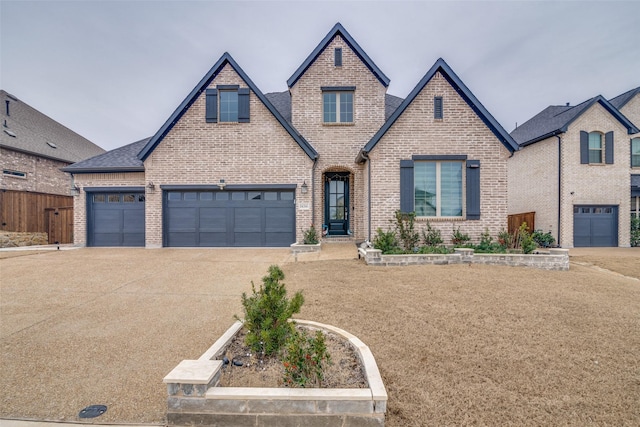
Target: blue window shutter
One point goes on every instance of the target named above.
(338, 57)
(243, 105)
(473, 189)
(406, 186)
(584, 147)
(608, 148)
(212, 105)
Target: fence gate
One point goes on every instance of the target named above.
(59, 225)
(516, 220)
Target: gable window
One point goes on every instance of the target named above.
(14, 174)
(227, 104)
(337, 104)
(595, 147)
(635, 153)
(437, 107)
(337, 56)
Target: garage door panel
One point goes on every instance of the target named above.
(248, 239)
(133, 221)
(107, 239)
(279, 220)
(133, 239)
(213, 220)
(247, 220)
(107, 221)
(182, 220)
(213, 239)
(595, 226)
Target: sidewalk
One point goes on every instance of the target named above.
(22, 423)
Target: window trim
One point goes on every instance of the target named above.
(213, 104)
(338, 91)
(439, 192)
(600, 150)
(637, 141)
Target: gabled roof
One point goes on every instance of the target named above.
(123, 159)
(621, 100)
(28, 130)
(442, 67)
(338, 29)
(555, 120)
(200, 87)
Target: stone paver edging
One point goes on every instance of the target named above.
(555, 259)
(195, 398)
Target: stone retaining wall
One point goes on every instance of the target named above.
(12, 239)
(555, 259)
(195, 399)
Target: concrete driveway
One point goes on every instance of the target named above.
(68, 318)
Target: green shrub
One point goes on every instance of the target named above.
(386, 241)
(527, 243)
(305, 359)
(635, 231)
(505, 239)
(543, 240)
(408, 237)
(435, 250)
(487, 245)
(267, 313)
(459, 239)
(431, 236)
(310, 236)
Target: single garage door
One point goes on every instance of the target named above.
(595, 226)
(115, 219)
(229, 218)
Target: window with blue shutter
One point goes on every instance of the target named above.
(406, 186)
(228, 103)
(243, 105)
(584, 147)
(473, 189)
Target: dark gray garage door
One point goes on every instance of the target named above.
(229, 218)
(115, 219)
(595, 226)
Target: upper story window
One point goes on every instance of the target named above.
(595, 147)
(337, 57)
(438, 188)
(437, 108)
(14, 174)
(635, 153)
(337, 104)
(227, 103)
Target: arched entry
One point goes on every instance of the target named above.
(336, 203)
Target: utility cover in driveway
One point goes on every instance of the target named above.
(595, 226)
(229, 218)
(115, 219)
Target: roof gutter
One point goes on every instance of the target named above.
(104, 170)
(543, 137)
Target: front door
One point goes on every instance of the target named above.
(336, 203)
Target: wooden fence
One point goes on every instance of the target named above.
(37, 212)
(515, 220)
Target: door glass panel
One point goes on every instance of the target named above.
(129, 198)
(271, 195)
(98, 198)
(237, 195)
(141, 198)
(174, 195)
(254, 195)
(222, 196)
(206, 195)
(286, 195)
(191, 196)
(114, 198)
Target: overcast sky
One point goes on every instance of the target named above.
(114, 71)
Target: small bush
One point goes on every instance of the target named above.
(505, 239)
(543, 240)
(635, 231)
(405, 226)
(305, 359)
(435, 250)
(487, 245)
(431, 236)
(310, 236)
(267, 313)
(386, 241)
(459, 239)
(527, 243)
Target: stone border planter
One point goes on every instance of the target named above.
(298, 248)
(195, 398)
(555, 259)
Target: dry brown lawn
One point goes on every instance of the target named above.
(456, 345)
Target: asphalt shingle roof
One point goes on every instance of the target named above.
(28, 130)
(620, 100)
(120, 159)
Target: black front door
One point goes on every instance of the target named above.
(336, 203)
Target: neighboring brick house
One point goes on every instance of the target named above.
(34, 147)
(574, 170)
(235, 167)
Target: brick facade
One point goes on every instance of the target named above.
(532, 187)
(460, 132)
(42, 175)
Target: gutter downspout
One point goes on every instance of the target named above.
(365, 157)
(559, 185)
(313, 191)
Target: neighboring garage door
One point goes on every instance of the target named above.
(115, 219)
(229, 218)
(595, 226)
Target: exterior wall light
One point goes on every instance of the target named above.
(151, 187)
(304, 188)
(75, 190)
(221, 184)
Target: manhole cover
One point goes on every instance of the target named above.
(92, 411)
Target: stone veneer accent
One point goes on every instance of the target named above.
(556, 259)
(43, 175)
(12, 239)
(195, 399)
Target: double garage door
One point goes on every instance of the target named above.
(595, 226)
(253, 218)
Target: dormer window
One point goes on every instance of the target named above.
(337, 54)
(337, 104)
